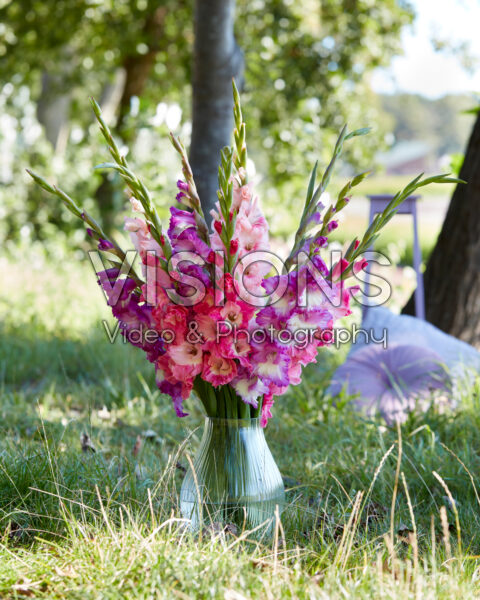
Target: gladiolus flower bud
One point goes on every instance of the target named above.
(332, 225)
(360, 265)
(233, 247)
(339, 268)
(321, 241)
(218, 227)
(228, 281)
(104, 244)
(136, 205)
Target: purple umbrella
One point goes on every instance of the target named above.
(392, 381)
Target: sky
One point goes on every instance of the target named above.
(423, 71)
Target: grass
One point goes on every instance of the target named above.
(369, 510)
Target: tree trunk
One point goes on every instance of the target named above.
(138, 66)
(217, 58)
(111, 96)
(452, 275)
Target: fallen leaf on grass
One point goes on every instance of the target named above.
(233, 595)
(218, 528)
(317, 577)
(138, 445)
(86, 443)
(405, 534)
(66, 571)
(149, 434)
(13, 530)
(27, 587)
(104, 414)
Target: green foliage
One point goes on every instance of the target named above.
(306, 67)
(317, 56)
(93, 39)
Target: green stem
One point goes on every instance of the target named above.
(206, 395)
(221, 408)
(257, 411)
(243, 410)
(231, 405)
(212, 400)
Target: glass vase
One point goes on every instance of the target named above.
(235, 480)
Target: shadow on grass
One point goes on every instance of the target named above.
(31, 362)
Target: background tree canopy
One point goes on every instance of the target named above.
(306, 73)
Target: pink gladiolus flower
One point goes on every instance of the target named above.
(242, 194)
(233, 313)
(187, 354)
(266, 409)
(218, 370)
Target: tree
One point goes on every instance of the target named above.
(217, 58)
(452, 274)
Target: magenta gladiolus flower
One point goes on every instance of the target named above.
(135, 318)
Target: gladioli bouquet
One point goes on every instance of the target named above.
(217, 312)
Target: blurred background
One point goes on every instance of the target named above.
(409, 70)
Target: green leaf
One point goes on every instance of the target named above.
(360, 177)
(311, 184)
(357, 132)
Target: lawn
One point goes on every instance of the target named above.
(372, 512)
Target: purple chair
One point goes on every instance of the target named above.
(409, 207)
